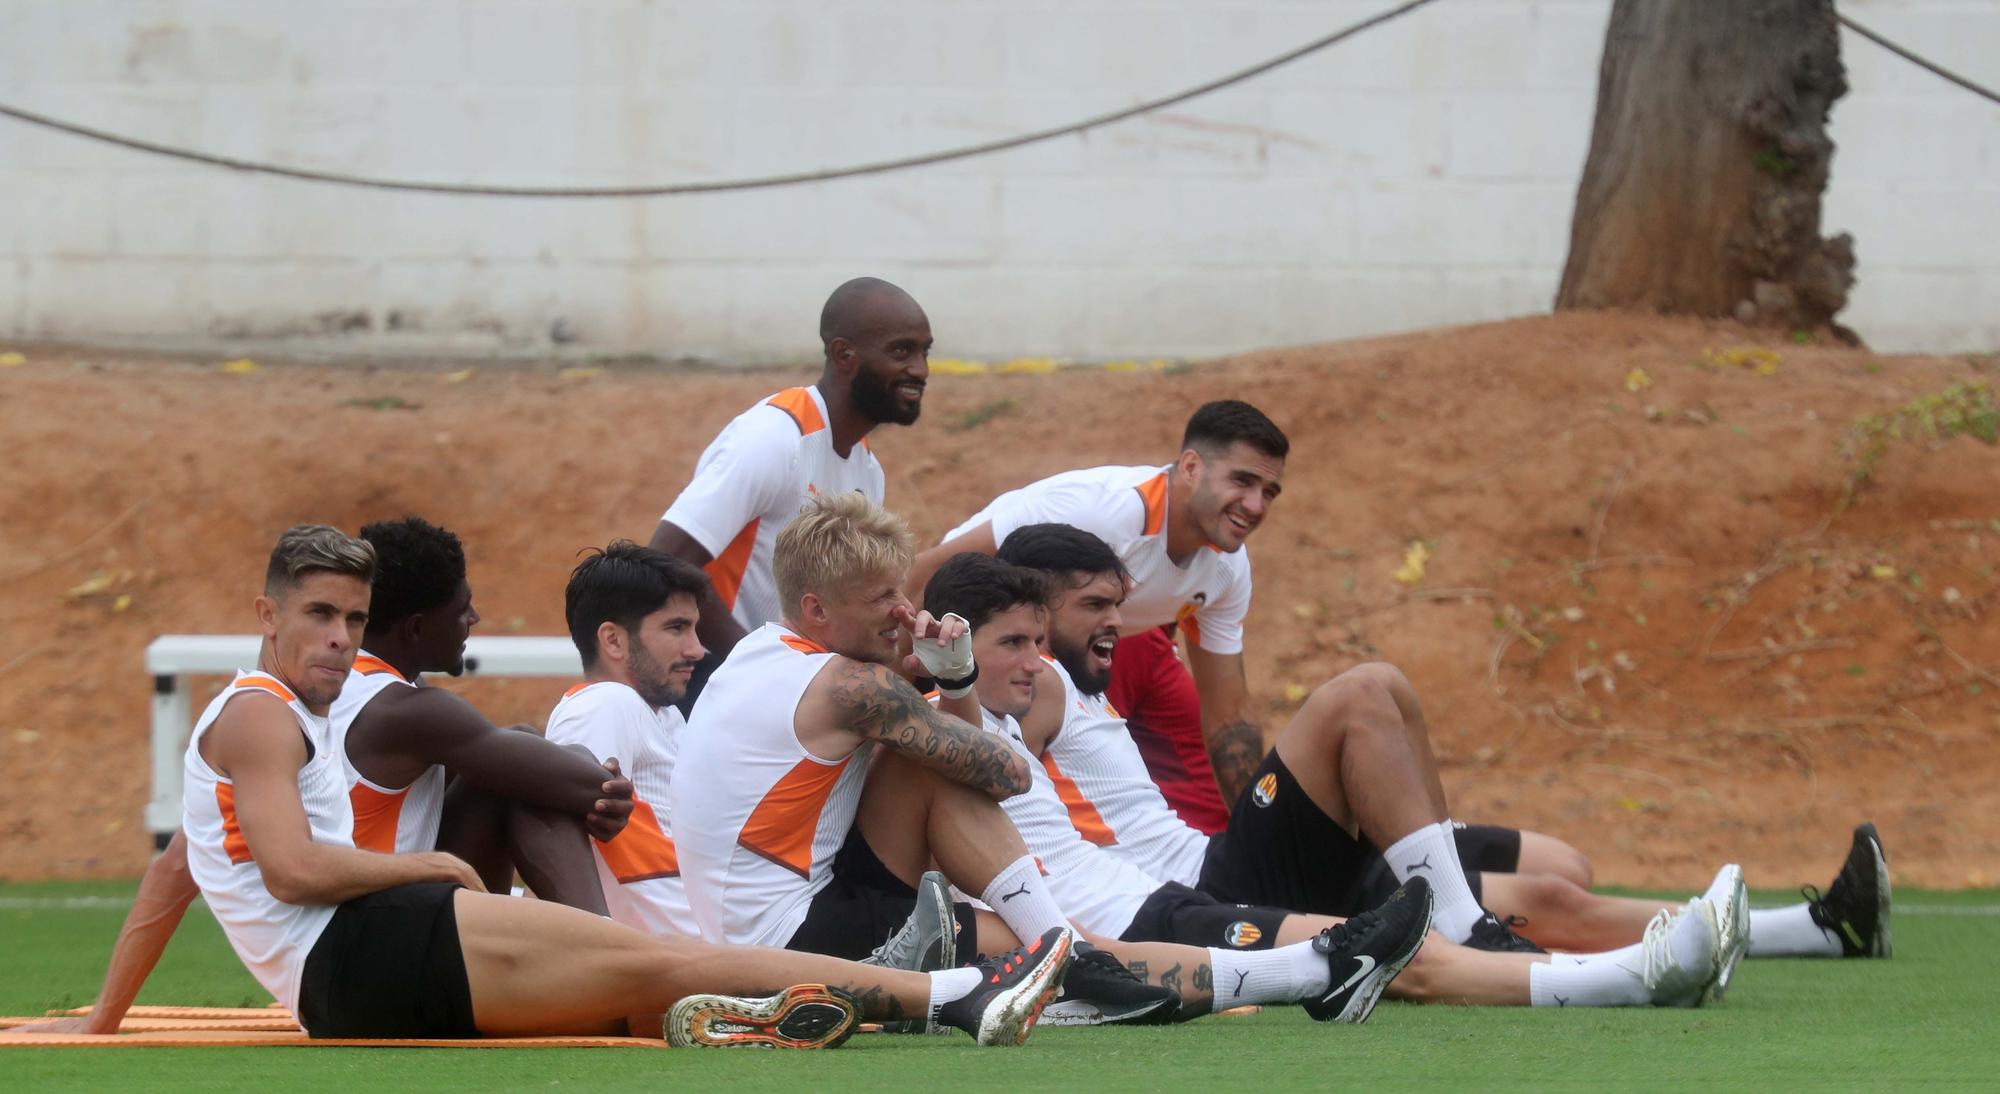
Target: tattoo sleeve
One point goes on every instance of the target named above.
(1204, 978)
(1171, 978)
(878, 705)
(874, 1003)
(1234, 751)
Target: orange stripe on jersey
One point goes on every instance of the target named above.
(369, 666)
(798, 402)
(1084, 816)
(782, 826)
(1153, 492)
(233, 843)
(574, 688)
(643, 851)
(265, 683)
(1192, 626)
(377, 813)
(803, 645)
(726, 570)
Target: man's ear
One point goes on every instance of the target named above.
(812, 609)
(1189, 465)
(267, 615)
(612, 642)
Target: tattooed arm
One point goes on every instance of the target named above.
(875, 704)
(1235, 741)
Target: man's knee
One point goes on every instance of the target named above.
(1359, 696)
(1427, 977)
(1542, 854)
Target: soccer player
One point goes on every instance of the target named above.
(363, 944)
(512, 799)
(1179, 530)
(825, 785)
(804, 441)
(1246, 958)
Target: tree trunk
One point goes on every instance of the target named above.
(1707, 160)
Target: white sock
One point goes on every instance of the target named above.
(1020, 896)
(1790, 932)
(1286, 974)
(951, 985)
(1588, 982)
(1432, 852)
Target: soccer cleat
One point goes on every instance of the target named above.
(1013, 989)
(1492, 933)
(1731, 901)
(1367, 951)
(926, 942)
(804, 1016)
(1678, 955)
(1856, 906)
(1099, 990)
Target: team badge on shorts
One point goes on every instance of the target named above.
(1242, 934)
(1266, 790)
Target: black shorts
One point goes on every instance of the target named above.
(1281, 850)
(861, 906)
(389, 965)
(1176, 913)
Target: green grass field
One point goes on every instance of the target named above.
(1930, 1016)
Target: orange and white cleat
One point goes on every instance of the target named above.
(803, 1016)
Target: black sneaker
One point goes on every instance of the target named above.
(1496, 934)
(1856, 905)
(1015, 986)
(1366, 952)
(1099, 990)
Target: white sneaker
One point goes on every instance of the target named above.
(1677, 957)
(1731, 901)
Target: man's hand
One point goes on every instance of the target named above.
(451, 868)
(57, 1025)
(608, 817)
(942, 650)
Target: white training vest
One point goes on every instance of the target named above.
(1097, 891)
(640, 870)
(1112, 799)
(272, 938)
(758, 818)
(749, 484)
(393, 821)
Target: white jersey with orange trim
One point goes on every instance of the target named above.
(1097, 891)
(749, 484)
(1099, 774)
(271, 937)
(1126, 507)
(640, 870)
(393, 821)
(760, 818)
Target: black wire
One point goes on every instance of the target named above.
(1916, 60)
(664, 190)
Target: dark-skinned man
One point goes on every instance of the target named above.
(803, 441)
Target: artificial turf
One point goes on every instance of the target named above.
(1929, 1016)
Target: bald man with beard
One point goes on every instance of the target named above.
(764, 465)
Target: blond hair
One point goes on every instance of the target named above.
(304, 548)
(835, 542)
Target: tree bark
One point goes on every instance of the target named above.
(1707, 161)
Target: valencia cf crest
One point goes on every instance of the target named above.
(1242, 934)
(1266, 790)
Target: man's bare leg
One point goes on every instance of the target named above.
(498, 836)
(912, 817)
(1562, 916)
(1545, 854)
(537, 968)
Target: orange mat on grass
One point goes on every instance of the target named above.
(255, 1027)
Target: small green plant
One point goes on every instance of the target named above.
(1959, 410)
(973, 419)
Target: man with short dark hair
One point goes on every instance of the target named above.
(1179, 530)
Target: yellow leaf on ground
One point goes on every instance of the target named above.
(581, 372)
(459, 377)
(1637, 380)
(242, 366)
(13, 360)
(1886, 573)
(1030, 364)
(952, 366)
(1412, 570)
(1296, 693)
(123, 602)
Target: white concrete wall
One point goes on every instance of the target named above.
(1421, 174)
